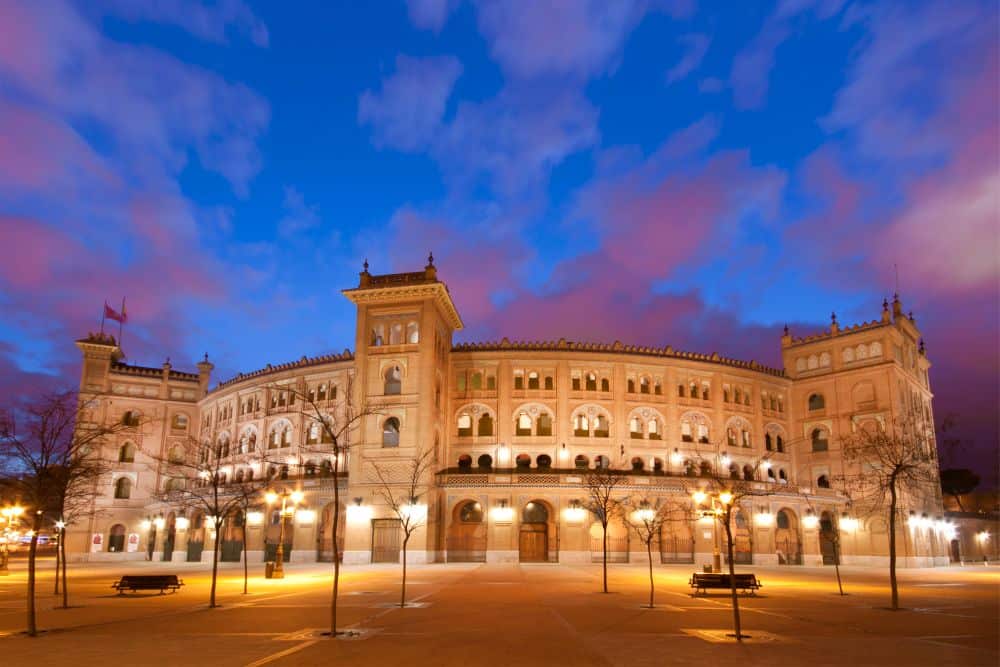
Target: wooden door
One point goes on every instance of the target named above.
(534, 543)
(386, 539)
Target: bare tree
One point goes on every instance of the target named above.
(54, 466)
(405, 503)
(195, 479)
(331, 425)
(647, 518)
(887, 466)
(600, 484)
(833, 535)
(720, 495)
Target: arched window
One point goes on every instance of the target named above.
(658, 388)
(687, 435)
(471, 512)
(310, 468)
(485, 426)
(780, 443)
(601, 427)
(704, 392)
(734, 471)
(412, 333)
(393, 381)
(823, 482)
(703, 433)
(176, 454)
(680, 390)
(396, 334)
(654, 429)
(283, 473)
(731, 436)
(767, 442)
(390, 432)
(644, 385)
(748, 472)
(816, 402)
(464, 425)
(820, 440)
(605, 384)
(378, 335)
(783, 521)
(179, 422)
(116, 538)
(249, 475)
(127, 453)
(544, 424)
(637, 463)
(635, 428)
(658, 465)
(602, 462)
(782, 476)
(522, 461)
(549, 383)
(630, 386)
(581, 426)
(745, 438)
(535, 512)
(123, 488)
(523, 425)
(591, 382)
(464, 461)
(705, 469)
(325, 468)
(739, 395)
(543, 461)
(485, 461)
(476, 381)
(532, 380)
(239, 476)
(581, 461)
(130, 418)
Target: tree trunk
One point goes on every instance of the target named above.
(246, 564)
(737, 626)
(32, 553)
(65, 584)
(55, 586)
(336, 550)
(836, 558)
(892, 543)
(215, 563)
(958, 499)
(649, 555)
(605, 562)
(402, 594)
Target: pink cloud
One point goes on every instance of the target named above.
(430, 14)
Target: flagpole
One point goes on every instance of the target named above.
(120, 323)
(104, 313)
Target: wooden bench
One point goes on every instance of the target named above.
(702, 581)
(147, 582)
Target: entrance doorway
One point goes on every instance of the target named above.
(786, 538)
(467, 534)
(324, 549)
(386, 540)
(533, 538)
(828, 540)
(231, 548)
(168, 540)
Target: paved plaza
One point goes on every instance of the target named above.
(507, 615)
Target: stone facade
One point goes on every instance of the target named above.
(514, 428)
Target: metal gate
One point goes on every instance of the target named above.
(168, 546)
(675, 549)
(617, 550)
(230, 551)
(789, 552)
(386, 538)
(194, 551)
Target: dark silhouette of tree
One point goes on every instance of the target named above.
(646, 518)
(957, 482)
(54, 463)
(600, 485)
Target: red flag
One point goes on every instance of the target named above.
(113, 314)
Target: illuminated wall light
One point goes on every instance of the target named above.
(502, 513)
(182, 523)
(255, 518)
(848, 523)
(765, 518)
(145, 524)
(676, 458)
(575, 513)
(983, 536)
(725, 460)
(810, 521)
(305, 517)
(414, 511)
(159, 522)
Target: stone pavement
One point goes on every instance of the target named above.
(543, 614)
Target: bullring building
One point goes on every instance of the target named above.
(513, 428)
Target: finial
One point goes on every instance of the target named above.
(922, 349)
(885, 304)
(167, 361)
(911, 317)
(366, 265)
(833, 317)
(895, 297)
(786, 329)
(430, 258)
(206, 358)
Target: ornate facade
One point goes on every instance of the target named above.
(514, 428)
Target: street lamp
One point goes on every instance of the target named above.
(719, 502)
(9, 514)
(272, 497)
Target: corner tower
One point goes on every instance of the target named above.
(405, 323)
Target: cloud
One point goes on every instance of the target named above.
(580, 38)
(208, 22)
(407, 112)
(299, 217)
(430, 14)
(695, 48)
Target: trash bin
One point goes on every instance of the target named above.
(269, 569)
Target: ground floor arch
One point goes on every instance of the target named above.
(787, 538)
(169, 537)
(466, 539)
(196, 537)
(537, 533)
(233, 537)
(742, 538)
(676, 542)
(829, 545)
(618, 546)
(116, 538)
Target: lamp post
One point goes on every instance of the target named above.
(718, 501)
(9, 514)
(279, 554)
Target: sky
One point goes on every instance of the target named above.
(656, 172)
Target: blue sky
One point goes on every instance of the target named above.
(658, 172)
